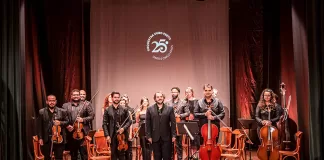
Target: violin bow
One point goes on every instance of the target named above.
(78, 115)
(128, 117)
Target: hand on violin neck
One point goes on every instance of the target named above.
(121, 130)
(174, 139)
(57, 123)
(70, 128)
(79, 119)
(177, 115)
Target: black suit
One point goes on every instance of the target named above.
(85, 111)
(45, 131)
(111, 118)
(161, 127)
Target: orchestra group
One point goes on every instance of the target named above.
(153, 127)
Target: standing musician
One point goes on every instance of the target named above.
(116, 121)
(160, 127)
(191, 102)
(267, 99)
(181, 112)
(52, 121)
(80, 114)
(206, 103)
(140, 119)
(131, 111)
(107, 102)
(83, 96)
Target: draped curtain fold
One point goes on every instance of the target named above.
(56, 59)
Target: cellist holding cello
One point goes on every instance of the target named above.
(267, 114)
(209, 123)
(51, 123)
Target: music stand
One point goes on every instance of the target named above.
(193, 129)
(248, 124)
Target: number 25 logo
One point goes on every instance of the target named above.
(160, 46)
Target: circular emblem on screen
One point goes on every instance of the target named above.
(159, 44)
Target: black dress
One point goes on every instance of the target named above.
(145, 144)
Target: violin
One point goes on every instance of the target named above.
(209, 150)
(122, 145)
(78, 134)
(56, 134)
(269, 135)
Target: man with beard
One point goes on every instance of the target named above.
(83, 96)
(116, 121)
(131, 111)
(160, 127)
(201, 110)
(48, 117)
(181, 111)
(81, 112)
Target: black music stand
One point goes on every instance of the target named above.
(193, 129)
(248, 124)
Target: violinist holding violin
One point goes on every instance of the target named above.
(79, 114)
(116, 121)
(52, 121)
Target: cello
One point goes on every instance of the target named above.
(209, 150)
(270, 145)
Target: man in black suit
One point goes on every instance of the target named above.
(202, 112)
(81, 112)
(116, 120)
(48, 117)
(160, 127)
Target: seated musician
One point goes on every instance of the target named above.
(78, 113)
(140, 119)
(267, 100)
(203, 105)
(116, 121)
(181, 112)
(48, 117)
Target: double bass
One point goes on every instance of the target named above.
(283, 122)
(270, 145)
(209, 150)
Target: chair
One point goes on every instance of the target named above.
(226, 137)
(294, 153)
(236, 153)
(37, 151)
(99, 150)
